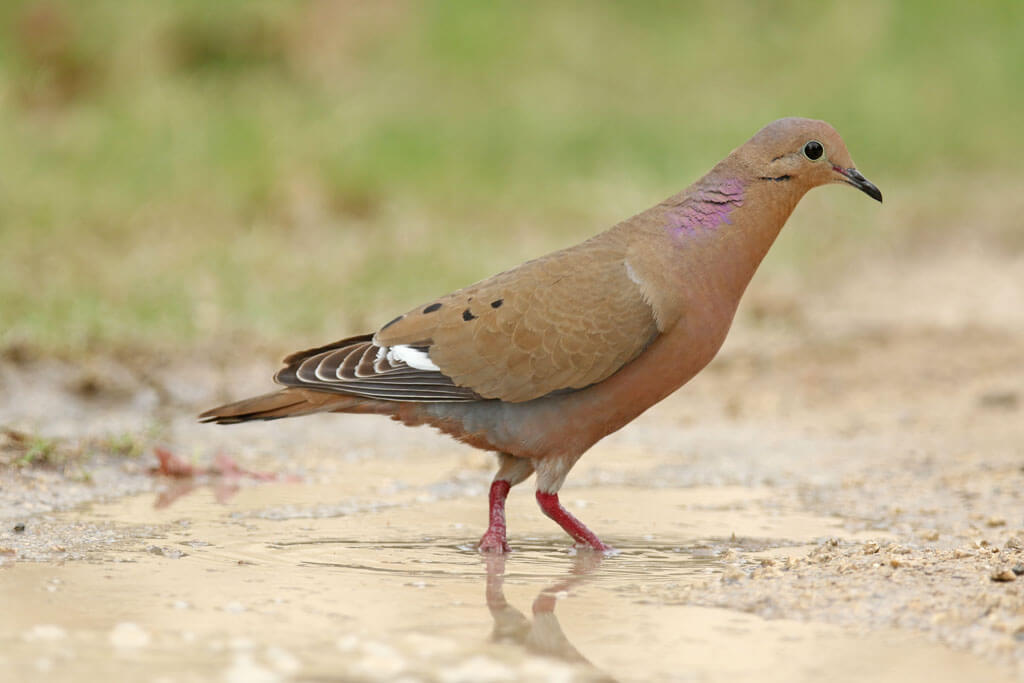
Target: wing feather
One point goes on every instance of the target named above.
(561, 322)
(358, 367)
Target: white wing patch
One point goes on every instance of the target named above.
(631, 274)
(414, 358)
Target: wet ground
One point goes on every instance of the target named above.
(839, 497)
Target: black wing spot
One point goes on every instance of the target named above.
(777, 179)
(431, 308)
(392, 322)
(497, 303)
(467, 316)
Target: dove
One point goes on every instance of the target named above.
(540, 362)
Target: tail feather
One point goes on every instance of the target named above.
(286, 403)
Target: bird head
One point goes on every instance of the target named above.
(803, 153)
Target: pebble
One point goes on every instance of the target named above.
(545, 669)
(730, 555)
(45, 632)
(425, 646)
(477, 670)
(733, 574)
(347, 643)
(128, 635)
(245, 670)
(995, 521)
(379, 661)
(282, 661)
(1004, 574)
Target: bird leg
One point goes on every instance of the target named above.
(512, 470)
(493, 540)
(552, 508)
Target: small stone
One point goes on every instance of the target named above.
(347, 643)
(1018, 569)
(18, 528)
(995, 521)
(244, 670)
(871, 547)
(477, 669)
(928, 535)
(45, 632)
(241, 644)
(1015, 543)
(128, 635)
(282, 661)
(960, 553)
(999, 398)
(733, 575)
(1003, 574)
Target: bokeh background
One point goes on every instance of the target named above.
(177, 174)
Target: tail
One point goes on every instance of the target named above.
(289, 402)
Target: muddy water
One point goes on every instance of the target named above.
(307, 581)
(889, 417)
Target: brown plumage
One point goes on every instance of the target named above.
(540, 362)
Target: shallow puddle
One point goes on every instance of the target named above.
(322, 581)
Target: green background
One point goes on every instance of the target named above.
(178, 174)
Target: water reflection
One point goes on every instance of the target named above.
(541, 635)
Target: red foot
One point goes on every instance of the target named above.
(552, 508)
(171, 465)
(493, 540)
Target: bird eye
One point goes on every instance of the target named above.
(813, 150)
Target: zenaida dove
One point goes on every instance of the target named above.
(542, 361)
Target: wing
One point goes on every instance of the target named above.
(561, 322)
(358, 367)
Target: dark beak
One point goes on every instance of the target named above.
(854, 177)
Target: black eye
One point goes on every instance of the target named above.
(813, 150)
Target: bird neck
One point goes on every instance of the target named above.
(722, 227)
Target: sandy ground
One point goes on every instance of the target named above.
(840, 496)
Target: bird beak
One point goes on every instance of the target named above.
(854, 177)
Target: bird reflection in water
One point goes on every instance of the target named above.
(541, 635)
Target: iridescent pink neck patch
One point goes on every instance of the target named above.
(707, 209)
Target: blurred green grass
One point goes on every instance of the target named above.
(177, 171)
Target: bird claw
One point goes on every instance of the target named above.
(492, 544)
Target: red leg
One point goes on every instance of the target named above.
(552, 508)
(493, 540)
